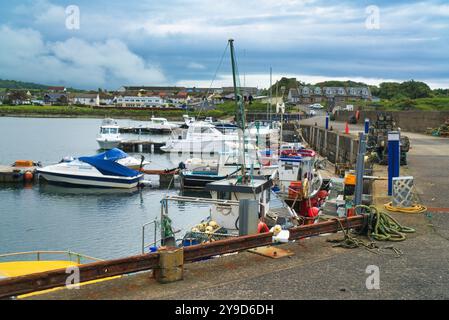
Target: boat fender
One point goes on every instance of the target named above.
(213, 224)
(28, 176)
(262, 227)
(224, 210)
(276, 229)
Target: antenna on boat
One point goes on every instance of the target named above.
(240, 111)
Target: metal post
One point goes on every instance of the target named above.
(394, 157)
(337, 148)
(325, 148)
(360, 170)
(155, 233)
(143, 240)
(366, 126)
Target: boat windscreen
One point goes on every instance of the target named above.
(113, 155)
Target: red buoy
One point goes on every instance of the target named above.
(28, 176)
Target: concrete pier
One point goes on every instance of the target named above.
(11, 174)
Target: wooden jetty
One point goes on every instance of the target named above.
(141, 146)
(166, 177)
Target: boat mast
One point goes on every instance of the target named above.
(240, 112)
(271, 93)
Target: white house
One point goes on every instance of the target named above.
(87, 99)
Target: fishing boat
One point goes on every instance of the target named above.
(102, 170)
(109, 136)
(206, 171)
(238, 202)
(161, 125)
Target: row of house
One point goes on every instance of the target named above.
(315, 94)
(126, 96)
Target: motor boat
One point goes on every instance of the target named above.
(197, 172)
(201, 137)
(127, 160)
(161, 125)
(102, 170)
(109, 136)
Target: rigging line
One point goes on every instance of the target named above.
(215, 76)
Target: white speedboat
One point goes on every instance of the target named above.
(102, 170)
(161, 125)
(109, 136)
(126, 160)
(201, 137)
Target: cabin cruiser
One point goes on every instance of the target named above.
(109, 136)
(102, 170)
(201, 137)
(161, 125)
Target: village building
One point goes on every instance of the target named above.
(87, 99)
(139, 101)
(58, 99)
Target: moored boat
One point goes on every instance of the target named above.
(109, 136)
(102, 170)
(161, 125)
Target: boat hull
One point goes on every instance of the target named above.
(89, 181)
(198, 181)
(108, 144)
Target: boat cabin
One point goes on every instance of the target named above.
(232, 189)
(109, 130)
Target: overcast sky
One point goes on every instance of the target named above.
(180, 42)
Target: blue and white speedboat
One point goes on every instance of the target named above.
(102, 170)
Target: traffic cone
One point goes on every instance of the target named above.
(347, 128)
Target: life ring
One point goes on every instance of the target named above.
(223, 209)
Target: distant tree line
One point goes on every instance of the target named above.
(408, 89)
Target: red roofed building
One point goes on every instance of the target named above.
(57, 89)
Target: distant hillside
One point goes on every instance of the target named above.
(17, 85)
(12, 84)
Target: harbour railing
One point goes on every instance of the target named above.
(14, 286)
(37, 255)
(156, 241)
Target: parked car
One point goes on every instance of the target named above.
(316, 106)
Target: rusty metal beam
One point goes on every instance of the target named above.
(92, 271)
(104, 269)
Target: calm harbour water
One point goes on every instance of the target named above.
(101, 223)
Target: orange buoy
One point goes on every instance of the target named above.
(28, 176)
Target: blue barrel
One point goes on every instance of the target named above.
(366, 126)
